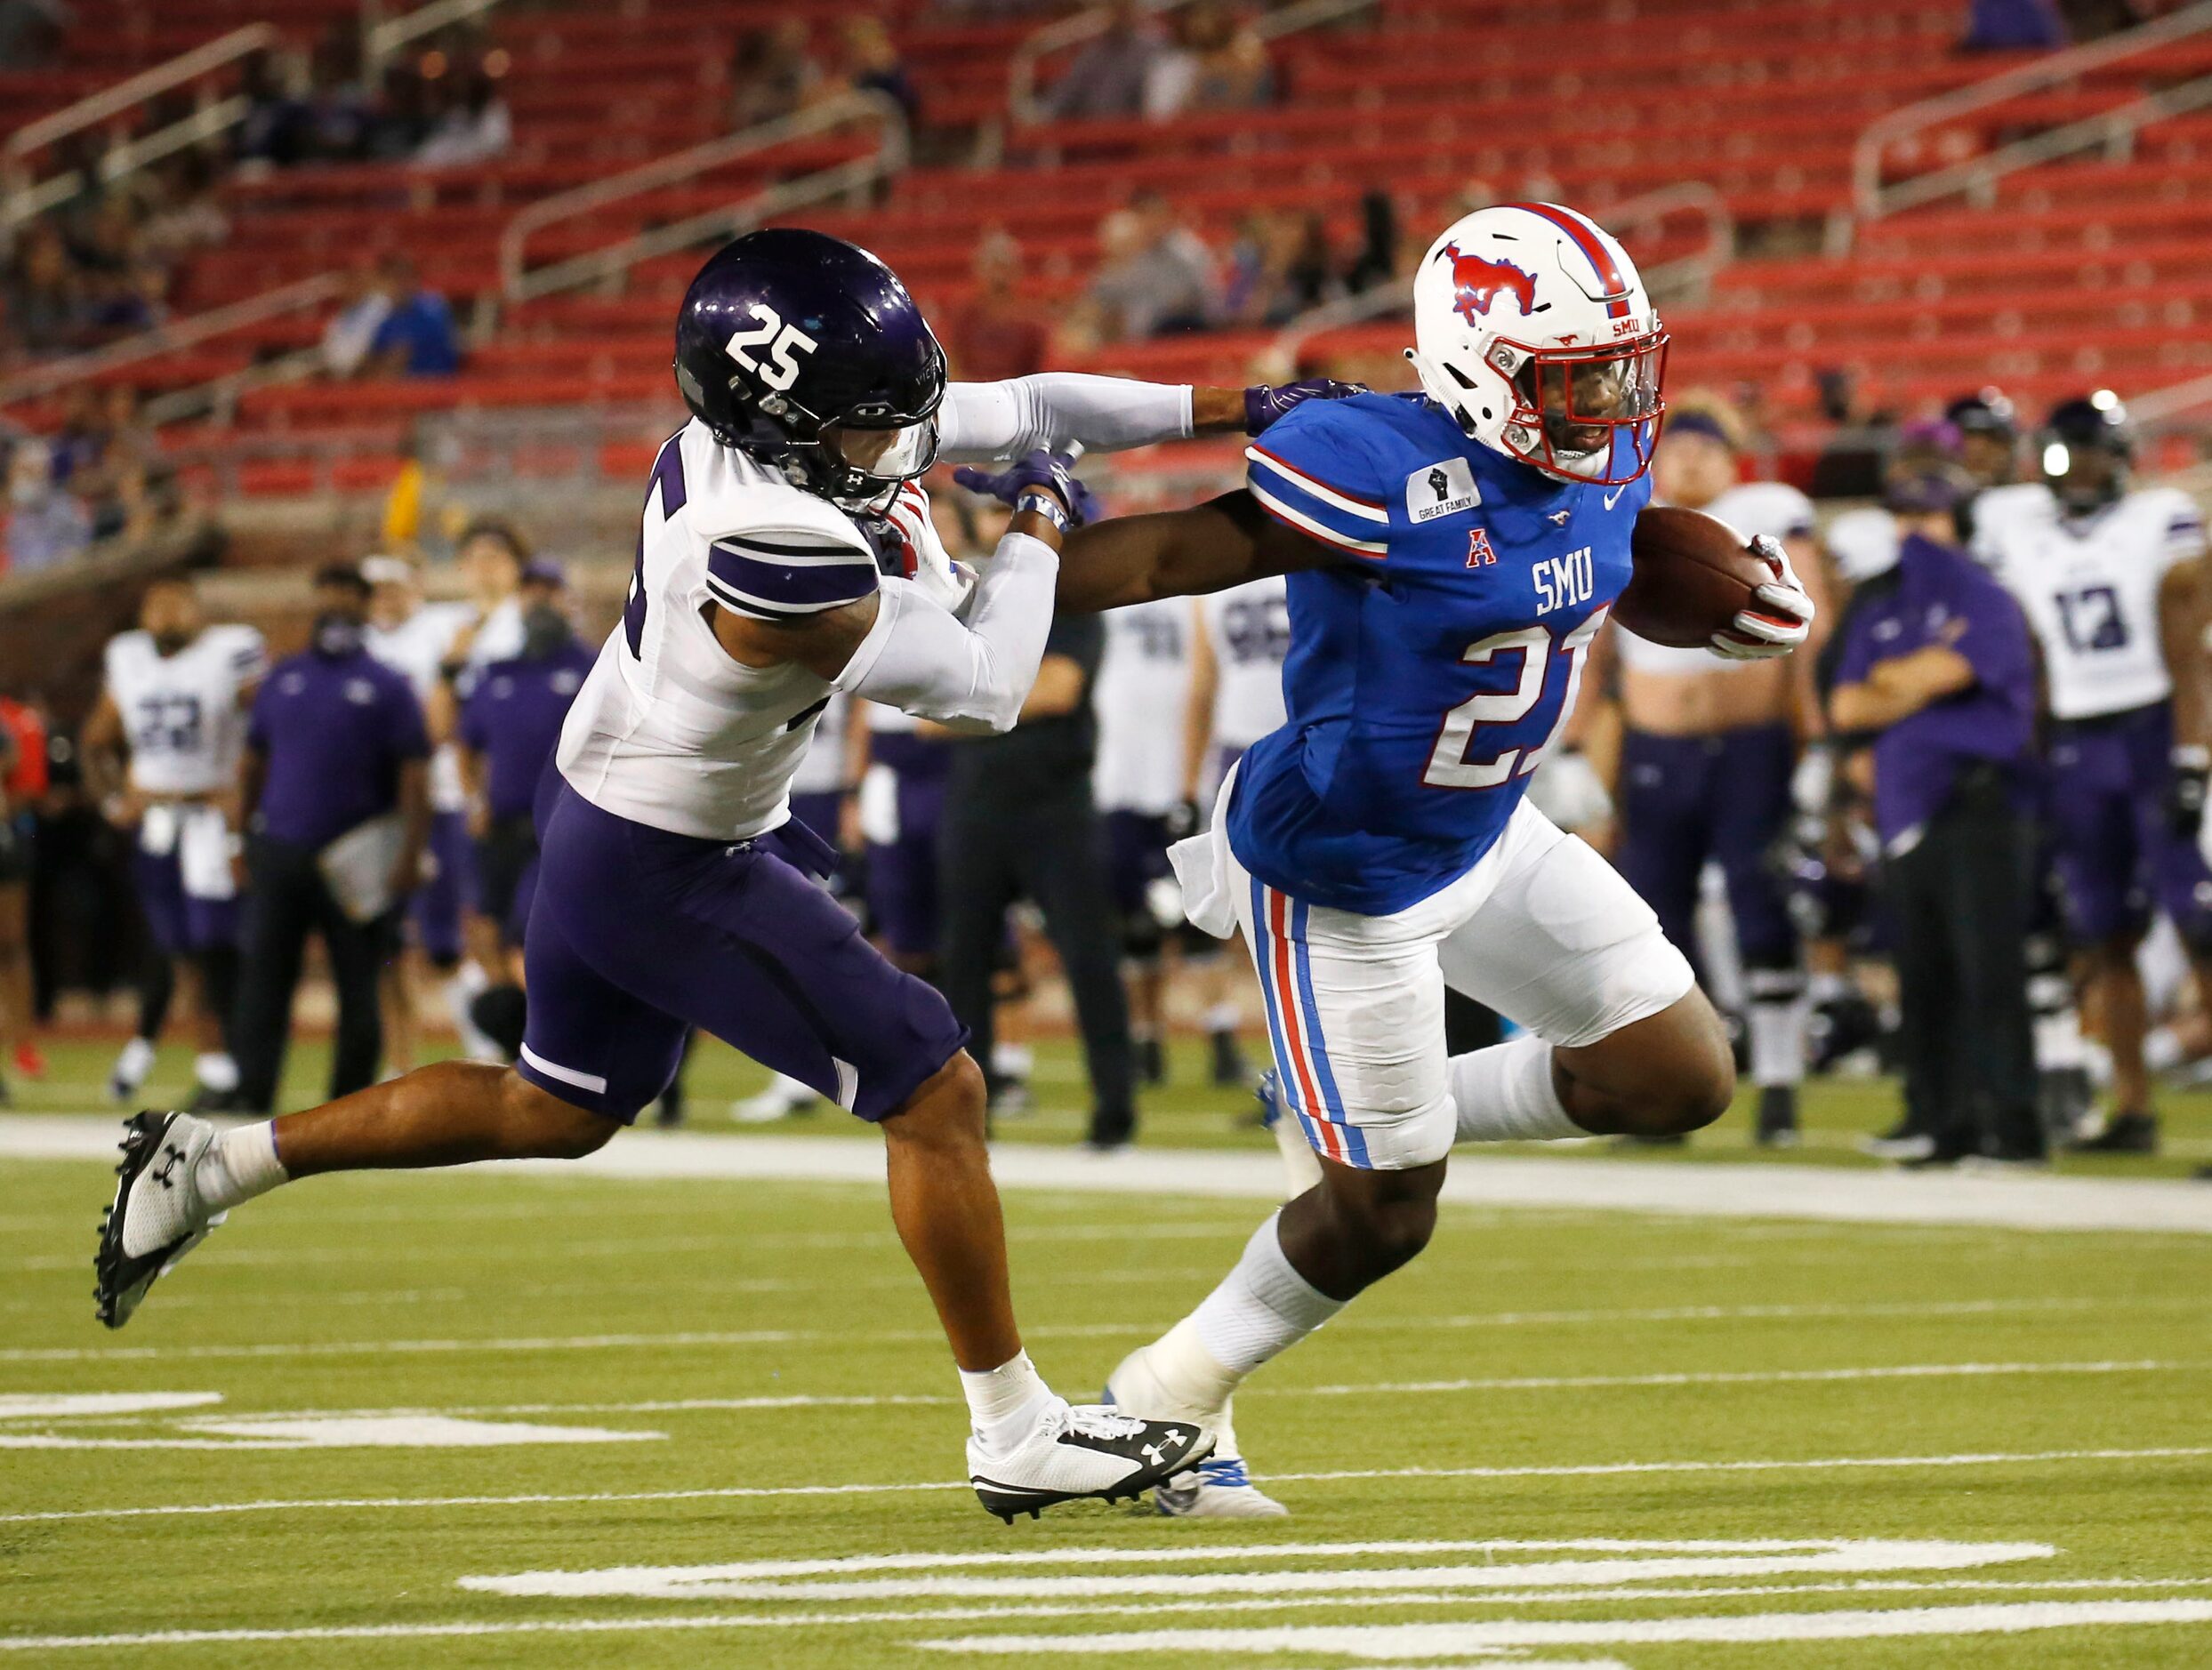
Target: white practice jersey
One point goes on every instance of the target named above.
(1141, 696)
(182, 713)
(1249, 629)
(2089, 586)
(1753, 508)
(417, 647)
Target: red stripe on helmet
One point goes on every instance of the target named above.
(1586, 240)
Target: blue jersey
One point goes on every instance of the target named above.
(1430, 670)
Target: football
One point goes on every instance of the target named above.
(1693, 573)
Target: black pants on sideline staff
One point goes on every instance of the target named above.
(288, 901)
(1049, 848)
(1961, 900)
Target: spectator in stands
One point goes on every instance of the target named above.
(47, 525)
(1377, 262)
(872, 64)
(353, 329)
(341, 107)
(30, 30)
(474, 129)
(183, 214)
(1215, 64)
(1107, 77)
(278, 128)
(1157, 276)
(45, 294)
(417, 338)
(772, 72)
(995, 335)
(2012, 26)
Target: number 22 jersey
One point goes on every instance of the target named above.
(1429, 669)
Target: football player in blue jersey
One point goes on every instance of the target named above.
(1452, 555)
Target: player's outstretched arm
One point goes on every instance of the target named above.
(1180, 553)
(983, 422)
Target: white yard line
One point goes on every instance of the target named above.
(845, 1339)
(1724, 1190)
(46, 1411)
(1989, 1458)
(1232, 1640)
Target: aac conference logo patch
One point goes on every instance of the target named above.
(1441, 489)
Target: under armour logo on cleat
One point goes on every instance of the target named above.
(171, 1154)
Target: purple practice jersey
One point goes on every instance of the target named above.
(513, 719)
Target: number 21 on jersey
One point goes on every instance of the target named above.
(1449, 765)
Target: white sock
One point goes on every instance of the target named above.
(1224, 1017)
(1777, 1024)
(2058, 1025)
(1262, 1308)
(214, 1068)
(239, 1164)
(2162, 1050)
(1012, 1061)
(135, 1062)
(467, 981)
(1505, 1093)
(1828, 987)
(1003, 1402)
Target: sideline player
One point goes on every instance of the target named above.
(2112, 582)
(1144, 683)
(1708, 751)
(674, 891)
(1451, 557)
(162, 747)
(1239, 639)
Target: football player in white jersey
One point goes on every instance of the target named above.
(2112, 582)
(1238, 640)
(1707, 750)
(162, 749)
(673, 888)
(1143, 684)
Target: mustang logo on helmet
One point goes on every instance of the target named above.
(1477, 282)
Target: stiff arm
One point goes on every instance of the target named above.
(1209, 547)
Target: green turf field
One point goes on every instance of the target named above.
(1561, 1438)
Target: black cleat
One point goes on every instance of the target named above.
(1152, 1061)
(2123, 1134)
(1777, 1122)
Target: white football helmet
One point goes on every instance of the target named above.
(1538, 337)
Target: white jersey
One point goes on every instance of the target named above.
(2089, 586)
(1249, 629)
(181, 713)
(670, 730)
(417, 647)
(1142, 695)
(1753, 508)
(822, 769)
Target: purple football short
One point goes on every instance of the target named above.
(636, 935)
(179, 923)
(2119, 862)
(903, 873)
(1685, 800)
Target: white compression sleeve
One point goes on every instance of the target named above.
(985, 420)
(972, 676)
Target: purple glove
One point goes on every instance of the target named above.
(1264, 403)
(1053, 471)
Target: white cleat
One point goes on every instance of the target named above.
(157, 1215)
(783, 1098)
(1218, 1488)
(1072, 1453)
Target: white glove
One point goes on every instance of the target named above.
(1781, 615)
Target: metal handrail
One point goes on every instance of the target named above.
(2154, 408)
(519, 284)
(27, 197)
(189, 332)
(1021, 67)
(386, 36)
(1694, 273)
(1871, 199)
